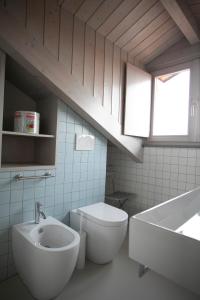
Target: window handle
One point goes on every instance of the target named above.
(193, 109)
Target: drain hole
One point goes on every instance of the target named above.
(45, 246)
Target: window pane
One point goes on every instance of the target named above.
(171, 104)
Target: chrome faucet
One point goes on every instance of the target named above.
(38, 212)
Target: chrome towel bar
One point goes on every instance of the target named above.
(19, 177)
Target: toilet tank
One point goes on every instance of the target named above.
(75, 220)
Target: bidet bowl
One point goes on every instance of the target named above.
(45, 255)
(52, 236)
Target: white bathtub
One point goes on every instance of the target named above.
(166, 238)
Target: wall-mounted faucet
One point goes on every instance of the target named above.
(38, 212)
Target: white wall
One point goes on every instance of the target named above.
(166, 172)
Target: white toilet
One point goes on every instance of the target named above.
(106, 228)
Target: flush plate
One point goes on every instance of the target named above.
(85, 142)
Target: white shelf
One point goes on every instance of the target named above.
(27, 134)
(28, 166)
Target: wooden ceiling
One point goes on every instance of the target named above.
(143, 28)
(195, 8)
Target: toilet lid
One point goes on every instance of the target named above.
(104, 214)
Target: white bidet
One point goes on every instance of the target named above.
(45, 255)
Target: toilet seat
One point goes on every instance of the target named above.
(104, 214)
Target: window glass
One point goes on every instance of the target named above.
(171, 104)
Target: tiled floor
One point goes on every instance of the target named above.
(115, 281)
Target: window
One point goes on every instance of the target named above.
(175, 112)
(171, 104)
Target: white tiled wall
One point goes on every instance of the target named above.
(164, 173)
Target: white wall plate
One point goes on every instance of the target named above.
(85, 142)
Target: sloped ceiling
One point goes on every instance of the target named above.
(188, 49)
(194, 6)
(143, 28)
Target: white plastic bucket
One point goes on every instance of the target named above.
(27, 122)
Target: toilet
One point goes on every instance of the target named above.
(106, 228)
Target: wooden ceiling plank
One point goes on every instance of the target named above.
(117, 16)
(163, 47)
(87, 9)
(35, 19)
(182, 16)
(179, 53)
(195, 9)
(194, 6)
(147, 31)
(89, 59)
(52, 27)
(193, 2)
(124, 59)
(66, 39)
(147, 18)
(157, 43)
(130, 19)
(72, 5)
(99, 68)
(17, 9)
(102, 13)
(157, 34)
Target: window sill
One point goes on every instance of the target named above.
(171, 144)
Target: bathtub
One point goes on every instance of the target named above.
(166, 239)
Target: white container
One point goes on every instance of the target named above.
(27, 122)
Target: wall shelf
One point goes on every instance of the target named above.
(19, 150)
(27, 167)
(27, 134)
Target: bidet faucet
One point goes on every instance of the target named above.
(38, 212)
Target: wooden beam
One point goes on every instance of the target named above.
(182, 16)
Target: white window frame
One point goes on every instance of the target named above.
(194, 106)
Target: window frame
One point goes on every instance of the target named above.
(193, 111)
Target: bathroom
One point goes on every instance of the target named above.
(73, 62)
